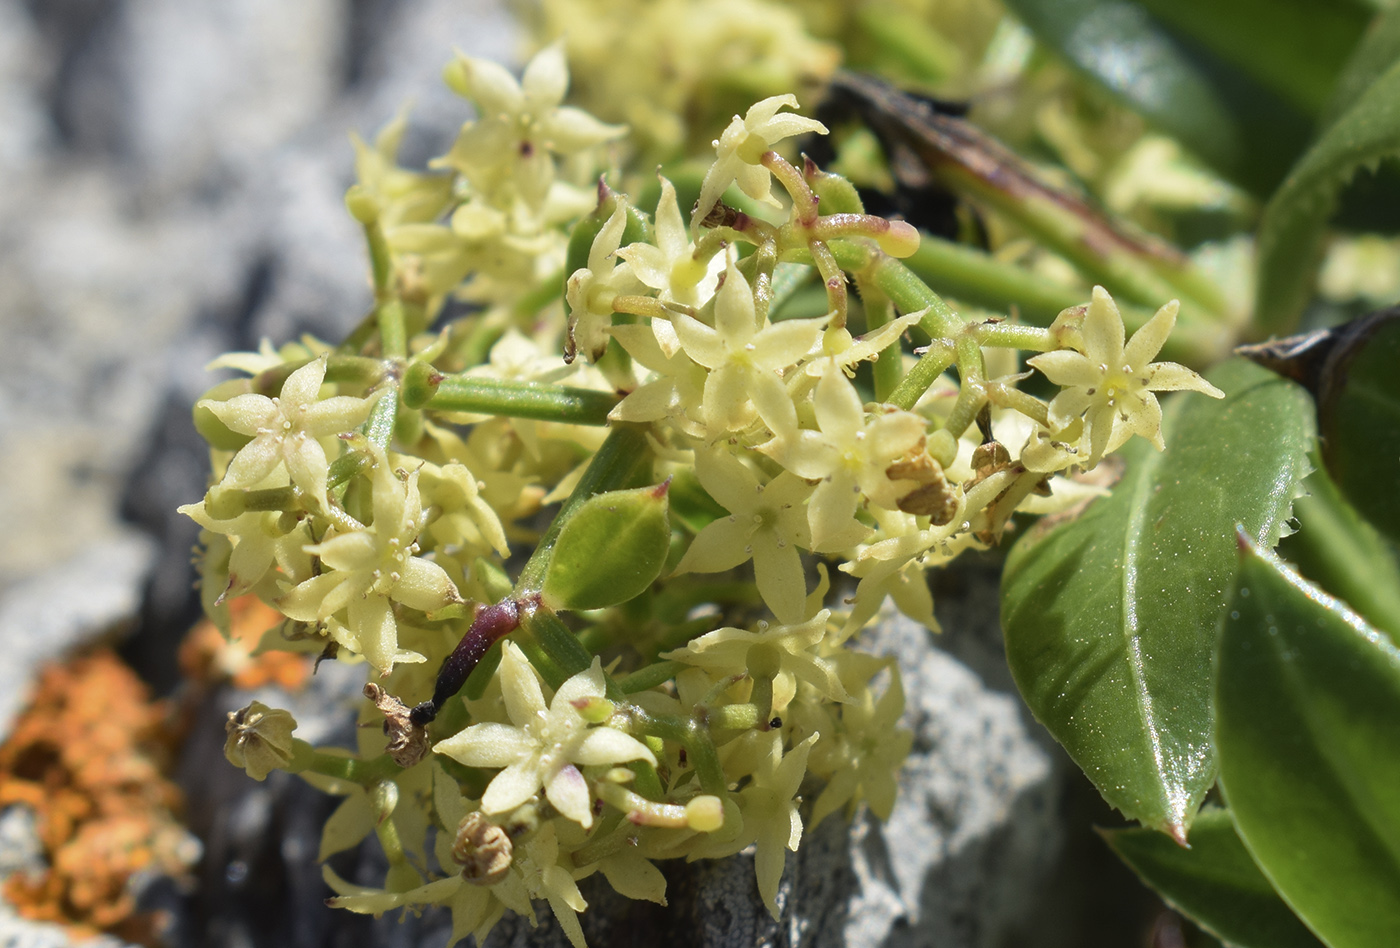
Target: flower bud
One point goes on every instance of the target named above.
(704, 814)
(259, 739)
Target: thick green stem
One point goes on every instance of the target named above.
(925, 372)
(650, 676)
(578, 406)
(393, 332)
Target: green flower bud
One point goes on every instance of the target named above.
(259, 739)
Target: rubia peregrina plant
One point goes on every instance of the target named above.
(603, 688)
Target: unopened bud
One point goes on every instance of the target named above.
(704, 814)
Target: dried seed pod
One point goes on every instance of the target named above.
(483, 849)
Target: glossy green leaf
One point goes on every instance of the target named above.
(1308, 732)
(1234, 124)
(1335, 548)
(1110, 620)
(610, 550)
(1214, 882)
(1292, 230)
(1358, 416)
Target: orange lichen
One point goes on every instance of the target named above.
(89, 758)
(206, 656)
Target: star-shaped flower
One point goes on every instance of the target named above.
(287, 429)
(744, 360)
(1109, 384)
(543, 745)
(370, 567)
(850, 455)
(766, 523)
(741, 148)
(864, 761)
(522, 123)
(670, 265)
(771, 820)
(727, 650)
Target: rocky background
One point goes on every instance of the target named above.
(173, 173)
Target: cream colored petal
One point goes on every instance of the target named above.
(1150, 337)
(338, 414)
(772, 402)
(1067, 406)
(700, 342)
(734, 312)
(1066, 367)
(832, 508)
(348, 551)
(777, 568)
(570, 130)
(306, 464)
(722, 545)
(305, 602)
(838, 408)
(581, 687)
(651, 402)
(488, 745)
(606, 745)
(788, 125)
(569, 793)
(246, 414)
(635, 877)
(253, 462)
(519, 687)
(726, 402)
(546, 76)
(492, 87)
(783, 344)
(372, 621)
(1170, 377)
(512, 787)
(303, 387)
(1103, 330)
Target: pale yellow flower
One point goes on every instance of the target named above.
(766, 523)
(793, 646)
(740, 149)
(849, 455)
(543, 745)
(369, 567)
(744, 360)
(1110, 385)
(286, 430)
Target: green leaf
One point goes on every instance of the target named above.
(1110, 619)
(612, 549)
(1297, 48)
(1214, 882)
(1292, 229)
(1231, 122)
(1358, 416)
(1308, 700)
(1378, 49)
(1344, 554)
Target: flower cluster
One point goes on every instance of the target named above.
(377, 499)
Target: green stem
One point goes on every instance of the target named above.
(552, 648)
(925, 372)
(366, 773)
(578, 406)
(393, 333)
(650, 676)
(888, 367)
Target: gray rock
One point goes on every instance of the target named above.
(64, 607)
